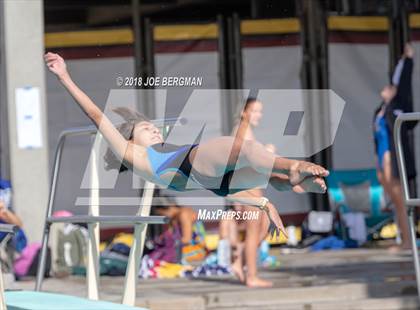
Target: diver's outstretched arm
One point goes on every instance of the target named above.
(121, 146)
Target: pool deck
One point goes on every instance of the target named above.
(328, 280)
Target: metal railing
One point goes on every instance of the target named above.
(411, 203)
(139, 221)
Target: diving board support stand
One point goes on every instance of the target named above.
(92, 264)
(411, 203)
(136, 252)
(93, 220)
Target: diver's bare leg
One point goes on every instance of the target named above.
(247, 178)
(211, 158)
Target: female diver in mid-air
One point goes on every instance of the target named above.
(213, 165)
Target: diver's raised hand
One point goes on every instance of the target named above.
(408, 50)
(56, 64)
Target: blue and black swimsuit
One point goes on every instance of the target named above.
(165, 157)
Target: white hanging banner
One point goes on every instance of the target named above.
(28, 117)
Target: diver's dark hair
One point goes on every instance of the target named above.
(126, 129)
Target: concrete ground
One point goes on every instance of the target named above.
(330, 280)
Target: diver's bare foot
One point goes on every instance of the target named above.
(311, 185)
(237, 270)
(276, 224)
(258, 282)
(302, 169)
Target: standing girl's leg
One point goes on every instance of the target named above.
(393, 188)
(256, 230)
(401, 211)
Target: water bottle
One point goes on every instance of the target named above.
(263, 251)
(223, 253)
(291, 232)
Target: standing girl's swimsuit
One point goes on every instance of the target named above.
(165, 157)
(381, 138)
